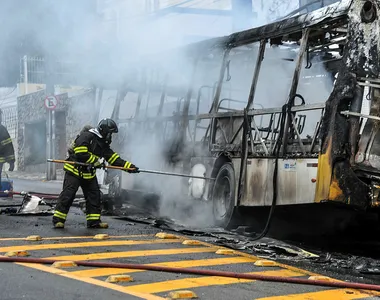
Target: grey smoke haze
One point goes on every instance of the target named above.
(71, 31)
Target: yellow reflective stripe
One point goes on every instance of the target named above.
(10, 157)
(71, 169)
(6, 141)
(113, 158)
(127, 165)
(81, 149)
(60, 214)
(93, 217)
(88, 175)
(91, 159)
(84, 175)
(57, 212)
(2, 159)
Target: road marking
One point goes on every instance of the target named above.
(97, 282)
(186, 283)
(107, 255)
(144, 290)
(175, 264)
(78, 237)
(280, 265)
(339, 294)
(85, 244)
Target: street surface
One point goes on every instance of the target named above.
(134, 243)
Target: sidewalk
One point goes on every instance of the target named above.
(31, 176)
(41, 177)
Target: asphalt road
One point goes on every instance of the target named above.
(133, 243)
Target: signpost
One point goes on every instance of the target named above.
(50, 103)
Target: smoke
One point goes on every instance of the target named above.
(112, 50)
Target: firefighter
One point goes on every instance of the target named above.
(89, 146)
(7, 153)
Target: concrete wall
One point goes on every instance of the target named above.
(79, 111)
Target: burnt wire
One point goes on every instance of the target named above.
(276, 150)
(368, 96)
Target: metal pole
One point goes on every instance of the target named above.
(174, 174)
(48, 144)
(53, 145)
(49, 79)
(25, 74)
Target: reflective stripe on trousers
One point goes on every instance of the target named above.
(93, 217)
(60, 215)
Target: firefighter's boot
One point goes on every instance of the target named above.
(59, 225)
(97, 225)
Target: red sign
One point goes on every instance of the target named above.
(51, 102)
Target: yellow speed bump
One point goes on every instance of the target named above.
(191, 242)
(182, 295)
(163, 235)
(64, 264)
(265, 263)
(17, 253)
(320, 277)
(34, 238)
(119, 278)
(225, 252)
(102, 236)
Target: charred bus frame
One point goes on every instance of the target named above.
(338, 163)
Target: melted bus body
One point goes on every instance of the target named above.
(290, 107)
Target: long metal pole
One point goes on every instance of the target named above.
(124, 169)
(53, 145)
(48, 144)
(173, 174)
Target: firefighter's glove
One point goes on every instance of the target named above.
(11, 166)
(97, 165)
(133, 169)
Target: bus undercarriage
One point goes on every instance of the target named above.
(282, 114)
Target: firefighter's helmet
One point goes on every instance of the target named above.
(106, 127)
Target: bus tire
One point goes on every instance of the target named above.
(223, 196)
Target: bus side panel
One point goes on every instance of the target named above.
(296, 182)
(257, 182)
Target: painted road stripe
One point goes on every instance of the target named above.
(175, 264)
(85, 245)
(339, 294)
(188, 283)
(78, 237)
(97, 282)
(108, 255)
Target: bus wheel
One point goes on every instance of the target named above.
(223, 196)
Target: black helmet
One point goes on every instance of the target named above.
(106, 127)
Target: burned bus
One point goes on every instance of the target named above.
(282, 114)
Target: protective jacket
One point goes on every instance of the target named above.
(7, 153)
(89, 147)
